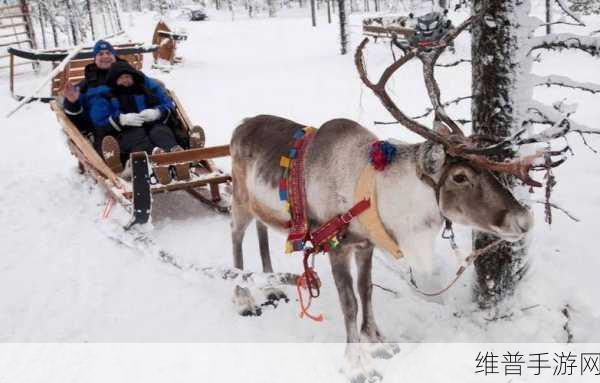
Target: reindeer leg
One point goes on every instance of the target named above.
(369, 332)
(358, 365)
(272, 294)
(263, 243)
(240, 218)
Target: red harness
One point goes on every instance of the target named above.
(326, 236)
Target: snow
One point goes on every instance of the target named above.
(64, 279)
(566, 82)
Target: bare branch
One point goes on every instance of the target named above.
(567, 11)
(561, 41)
(586, 143)
(557, 207)
(461, 121)
(565, 82)
(557, 23)
(384, 97)
(455, 63)
(445, 104)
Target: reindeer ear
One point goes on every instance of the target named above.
(431, 157)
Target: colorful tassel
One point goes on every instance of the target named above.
(298, 134)
(284, 162)
(382, 154)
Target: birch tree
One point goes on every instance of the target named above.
(503, 49)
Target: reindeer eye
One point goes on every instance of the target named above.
(459, 178)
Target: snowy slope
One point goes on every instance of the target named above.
(64, 280)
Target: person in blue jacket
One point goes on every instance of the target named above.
(134, 109)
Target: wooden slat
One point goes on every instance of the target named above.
(5, 7)
(387, 31)
(58, 82)
(192, 155)
(77, 69)
(12, 25)
(121, 196)
(190, 185)
(14, 15)
(14, 42)
(180, 111)
(92, 157)
(13, 34)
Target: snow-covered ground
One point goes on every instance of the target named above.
(62, 279)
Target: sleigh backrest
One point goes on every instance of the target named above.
(75, 70)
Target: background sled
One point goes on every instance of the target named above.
(206, 182)
(166, 42)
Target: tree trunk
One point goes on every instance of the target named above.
(313, 13)
(115, 5)
(272, 8)
(42, 21)
(500, 66)
(89, 8)
(343, 26)
(329, 11)
(548, 16)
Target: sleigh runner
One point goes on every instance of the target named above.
(205, 182)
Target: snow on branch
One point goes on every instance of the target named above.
(567, 11)
(565, 82)
(455, 63)
(561, 41)
(557, 116)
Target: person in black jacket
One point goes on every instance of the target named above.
(76, 97)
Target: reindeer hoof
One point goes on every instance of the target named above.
(371, 376)
(274, 295)
(251, 312)
(383, 350)
(245, 303)
(358, 365)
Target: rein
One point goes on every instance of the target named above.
(466, 263)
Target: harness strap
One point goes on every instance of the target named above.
(323, 233)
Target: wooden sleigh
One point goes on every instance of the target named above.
(387, 28)
(206, 183)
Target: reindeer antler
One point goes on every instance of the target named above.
(386, 100)
(456, 144)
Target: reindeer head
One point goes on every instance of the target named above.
(472, 196)
(456, 166)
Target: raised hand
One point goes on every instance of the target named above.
(71, 92)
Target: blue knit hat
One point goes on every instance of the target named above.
(103, 45)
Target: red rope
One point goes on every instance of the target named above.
(108, 208)
(308, 280)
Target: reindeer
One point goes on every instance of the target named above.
(446, 177)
